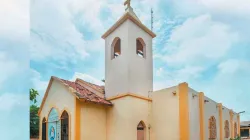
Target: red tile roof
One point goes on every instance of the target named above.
(84, 93)
(94, 86)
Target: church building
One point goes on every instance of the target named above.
(127, 108)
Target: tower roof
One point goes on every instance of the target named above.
(129, 14)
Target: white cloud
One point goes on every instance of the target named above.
(10, 67)
(53, 33)
(167, 78)
(189, 72)
(38, 84)
(9, 100)
(57, 32)
(87, 78)
(158, 85)
(159, 72)
(89, 13)
(230, 85)
(239, 7)
(14, 19)
(205, 43)
(13, 107)
(199, 40)
(232, 66)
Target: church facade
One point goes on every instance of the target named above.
(127, 108)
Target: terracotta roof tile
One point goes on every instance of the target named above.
(84, 93)
(94, 86)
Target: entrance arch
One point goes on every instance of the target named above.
(141, 131)
(65, 126)
(53, 125)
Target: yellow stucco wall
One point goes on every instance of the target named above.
(235, 120)
(93, 121)
(60, 98)
(211, 109)
(165, 114)
(226, 116)
(125, 115)
(194, 114)
(119, 122)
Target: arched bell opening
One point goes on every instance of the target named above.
(116, 48)
(140, 47)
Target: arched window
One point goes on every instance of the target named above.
(44, 129)
(212, 128)
(116, 48)
(53, 124)
(226, 129)
(140, 47)
(64, 126)
(235, 129)
(141, 131)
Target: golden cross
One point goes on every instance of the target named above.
(127, 2)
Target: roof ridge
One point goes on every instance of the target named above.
(77, 90)
(90, 85)
(90, 97)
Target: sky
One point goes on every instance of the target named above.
(204, 43)
(14, 71)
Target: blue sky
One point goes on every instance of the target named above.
(204, 43)
(14, 72)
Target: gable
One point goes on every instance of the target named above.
(128, 16)
(57, 95)
(83, 92)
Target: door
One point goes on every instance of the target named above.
(64, 129)
(44, 131)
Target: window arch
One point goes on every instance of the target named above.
(235, 129)
(212, 128)
(116, 48)
(226, 129)
(53, 124)
(64, 126)
(44, 129)
(141, 131)
(140, 47)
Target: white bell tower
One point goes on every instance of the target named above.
(128, 56)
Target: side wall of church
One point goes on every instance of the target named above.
(194, 114)
(125, 115)
(93, 121)
(61, 99)
(225, 116)
(211, 109)
(165, 114)
(235, 121)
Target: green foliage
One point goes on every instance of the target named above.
(33, 95)
(34, 119)
(237, 138)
